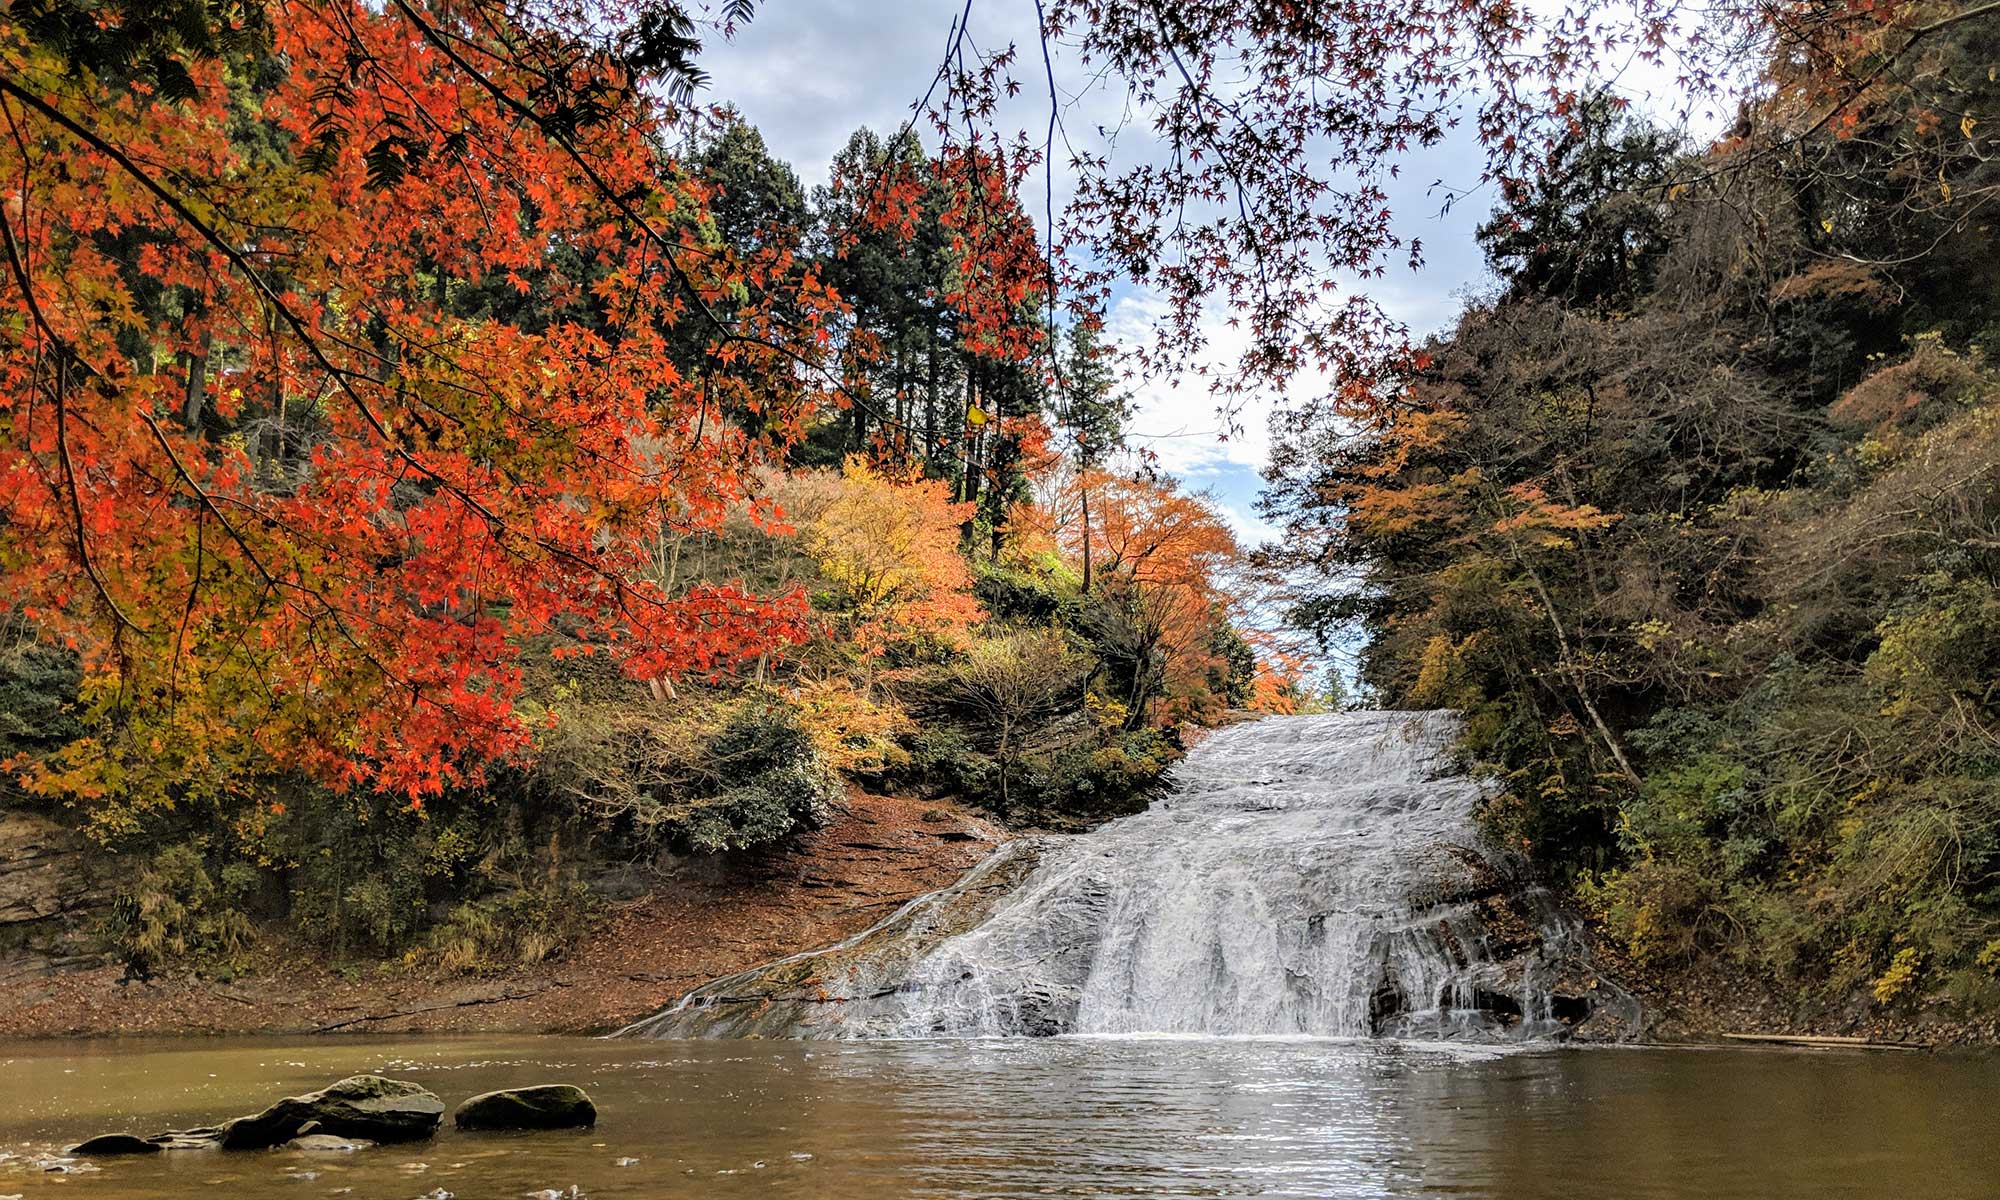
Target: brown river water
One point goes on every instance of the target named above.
(1151, 1117)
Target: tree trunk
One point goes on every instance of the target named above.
(197, 384)
(1086, 540)
(1575, 672)
(1004, 806)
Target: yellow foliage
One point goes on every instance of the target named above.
(890, 550)
(850, 731)
(1901, 973)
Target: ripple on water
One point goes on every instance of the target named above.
(1104, 1117)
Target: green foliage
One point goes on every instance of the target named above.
(778, 784)
(519, 927)
(1235, 666)
(1698, 525)
(1021, 597)
(701, 776)
(38, 694)
(1115, 773)
(180, 909)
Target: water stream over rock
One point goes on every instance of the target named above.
(1304, 875)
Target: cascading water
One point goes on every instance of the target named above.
(1304, 875)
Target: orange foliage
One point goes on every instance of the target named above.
(344, 582)
(890, 549)
(1161, 553)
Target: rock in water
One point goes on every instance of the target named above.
(544, 1106)
(325, 1142)
(115, 1143)
(361, 1106)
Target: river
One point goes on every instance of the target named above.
(1071, 1116)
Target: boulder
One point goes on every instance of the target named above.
(115, 1143)
(361, 1106)
(544, 1106)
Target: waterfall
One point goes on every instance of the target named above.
(1303, 875)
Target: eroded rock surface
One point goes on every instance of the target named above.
(360, 1106)
(48, 895)
(107, 1144)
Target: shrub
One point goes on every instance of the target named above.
(1653, 909)
(850, 731)
(176, 909)
(699, 776)
(1015, 595)
(779, 784)
(523, 926)
(1110, 774)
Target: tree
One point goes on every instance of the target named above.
(1092, 412)
(1013, 683)
(439, 485)
(1160, 558)
(889, 551)
(1588, 227)
(756, 199)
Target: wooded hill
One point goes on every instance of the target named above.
(1697, 519)
(439, 461)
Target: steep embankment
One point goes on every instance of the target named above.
(700, 923)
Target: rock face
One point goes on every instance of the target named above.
(543, 1106)
(115, 1143)
(361, 1106)
(849, 985)
(48, 894)
(322, 1142)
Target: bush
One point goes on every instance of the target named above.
(1111, 774)
(780, 786)
(177, 910)
(523, 926)
(703, 775)
(38, 689)
(1017, 596)
(944, 762)
(1653, 909)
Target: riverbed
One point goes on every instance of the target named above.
(1139, 1117)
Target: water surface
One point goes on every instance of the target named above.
(1151, 1117)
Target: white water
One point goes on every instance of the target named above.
(1291, 875)
(1316, 875)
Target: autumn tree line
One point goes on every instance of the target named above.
(1696, 519)
(439, 457)
(438, 449)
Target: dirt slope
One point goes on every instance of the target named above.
(645, 953)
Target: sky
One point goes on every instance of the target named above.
(807, 73)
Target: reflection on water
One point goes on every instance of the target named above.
(1152, 1117)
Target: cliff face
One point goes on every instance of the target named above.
(50, 897)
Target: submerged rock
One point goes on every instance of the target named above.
(360, 1106)
(325, 1142)
(115, 1143)
(203, 1138)
(543, 1106)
